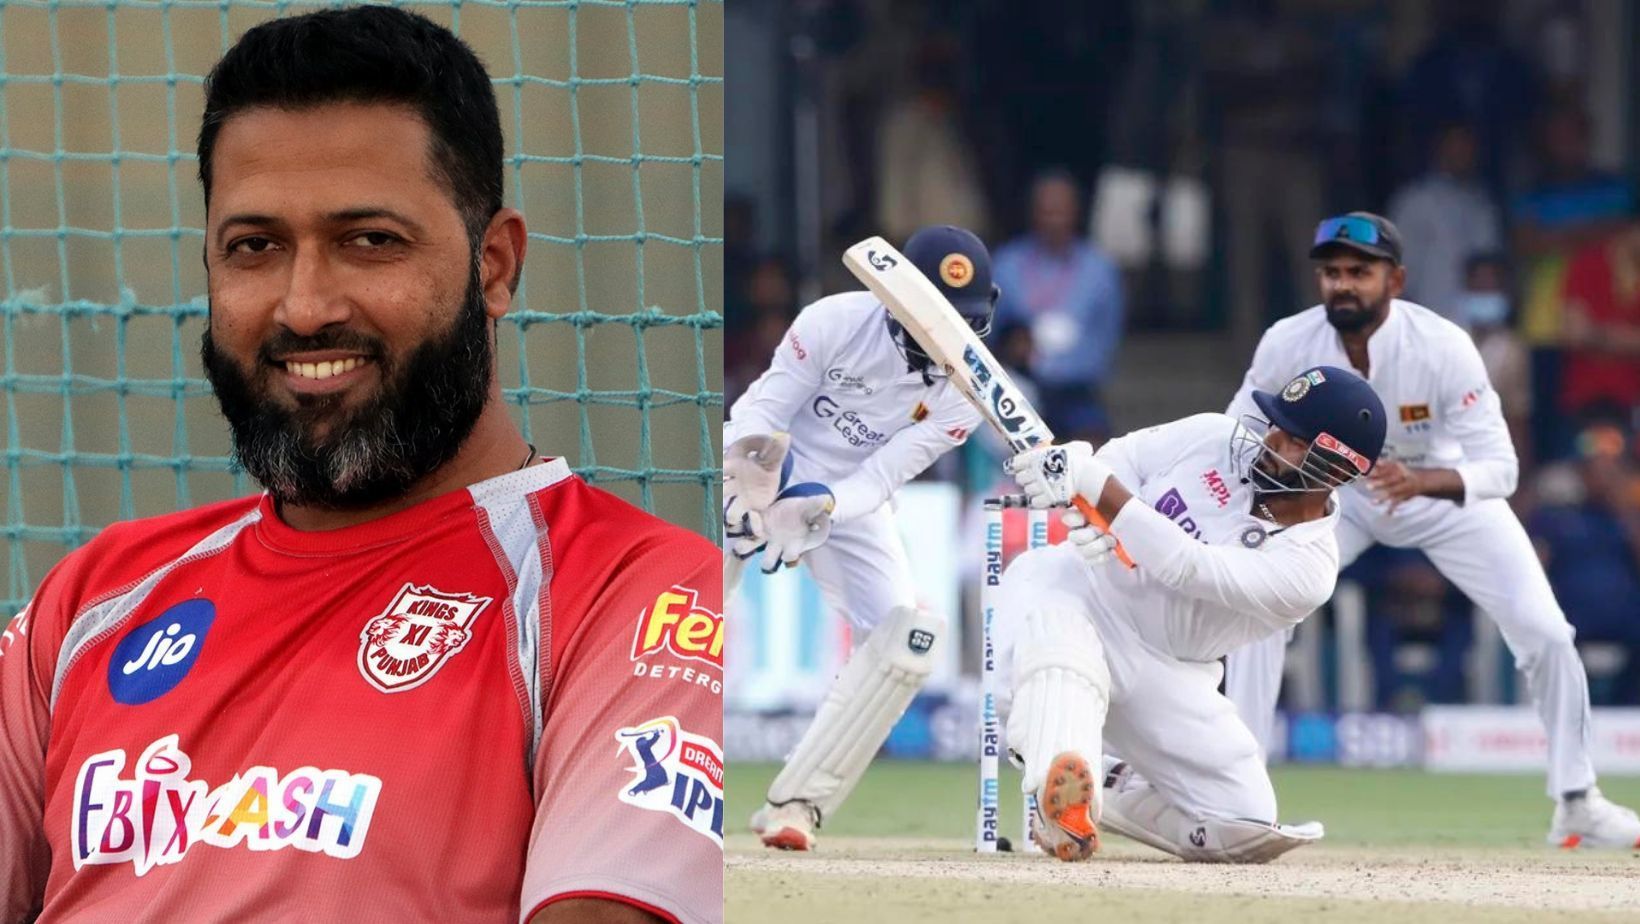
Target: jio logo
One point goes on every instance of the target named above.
(154, 657)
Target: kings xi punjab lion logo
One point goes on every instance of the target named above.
(420, 630)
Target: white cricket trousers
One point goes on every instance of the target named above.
(1166, 716)
(1485, 552)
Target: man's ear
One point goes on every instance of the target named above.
(501, 260)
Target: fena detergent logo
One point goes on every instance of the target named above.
(157, 814)
(675, 772)
(676, 622)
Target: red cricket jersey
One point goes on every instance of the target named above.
(500, 697)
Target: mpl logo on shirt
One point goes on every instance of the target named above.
(157, 814)
(420, 630)
(154, 657)
(676, 772)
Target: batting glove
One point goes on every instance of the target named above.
(1094, 545)
(1051, 476)
(798, 520)
(754, 469)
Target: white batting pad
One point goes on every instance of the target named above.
(862, 705)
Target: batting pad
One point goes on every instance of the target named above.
(1134, 809)
(862, 705)
(1061, 689)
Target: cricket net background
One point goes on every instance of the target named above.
(613, 113)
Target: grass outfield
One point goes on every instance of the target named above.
(1416, 846)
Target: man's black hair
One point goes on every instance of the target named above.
(370, 54)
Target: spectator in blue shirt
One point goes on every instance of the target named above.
(1068, 294)
(1591, 550)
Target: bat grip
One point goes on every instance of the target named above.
(1094, 518)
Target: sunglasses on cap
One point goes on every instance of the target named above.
(1348, 228)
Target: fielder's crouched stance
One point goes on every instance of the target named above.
(849, 410)
(1231, 533)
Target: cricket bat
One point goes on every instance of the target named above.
(957, 350)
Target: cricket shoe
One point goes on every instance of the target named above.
(1594, 821)
(1067, 809)
(789, 826)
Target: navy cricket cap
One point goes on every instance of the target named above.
(1334, 409)
(1362, 232)
(956, 261)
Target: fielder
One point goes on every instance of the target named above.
(1448, 467)
(1232, 534)
(849, 410)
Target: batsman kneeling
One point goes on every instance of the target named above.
(1230, 526)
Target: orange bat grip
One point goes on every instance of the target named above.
(1094, 518)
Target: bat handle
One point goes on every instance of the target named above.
(1094, 518)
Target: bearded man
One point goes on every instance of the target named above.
(1441, 486)
(408, 681)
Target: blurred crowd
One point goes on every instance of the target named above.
(1026, 124)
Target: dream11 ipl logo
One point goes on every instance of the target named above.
(675, 772)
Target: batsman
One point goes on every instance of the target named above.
(1229, 523)
(849, 410)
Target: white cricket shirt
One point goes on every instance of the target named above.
(1442, 410)
(860, 423)
(1211, 576)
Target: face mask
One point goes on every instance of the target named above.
(1485, 308)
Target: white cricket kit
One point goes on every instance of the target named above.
(1211, 577)
(862, 425)
(1443, 413)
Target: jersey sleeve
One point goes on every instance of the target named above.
(1133, 456)
(1264, 374)
(28, 661)
(1474, 417)
(904, 456)
(793, 376)
(629, 773)
(1278, 585)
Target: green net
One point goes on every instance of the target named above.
(613, 111)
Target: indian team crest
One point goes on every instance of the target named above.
(1300, 386)
(420, 630)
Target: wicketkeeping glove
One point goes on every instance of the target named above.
(754, 469)
(798, 520)
(1051, 475)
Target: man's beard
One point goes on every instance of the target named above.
(1348, 314)
(1271, 475)
(425, 410)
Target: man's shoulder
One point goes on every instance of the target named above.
(611, 562)
(1296, 328)
(1431, 332)
(830, 322)
(603, 525)
(839, 306)
(1205, 424)
(125, 552)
